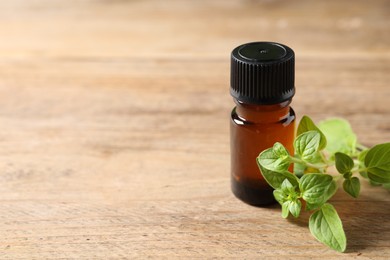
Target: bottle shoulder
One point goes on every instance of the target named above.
(285, 119)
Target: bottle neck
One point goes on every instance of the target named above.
(263, 113)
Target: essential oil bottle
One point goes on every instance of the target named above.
(262, 86)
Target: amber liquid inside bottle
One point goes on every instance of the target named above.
(255, 128)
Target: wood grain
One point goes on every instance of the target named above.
(114, 139)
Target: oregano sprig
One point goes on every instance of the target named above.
(316, 148)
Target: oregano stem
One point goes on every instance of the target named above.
(327, 162)
(316, 166)
(323, 157)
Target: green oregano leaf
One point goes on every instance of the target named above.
(287, 187)
(328, 193)
(352, 186)
(339, 136)
(274, 168)
(347, 175)
(285, 209)
(307, 144)
(377, 161)
(280, 150)
(316, 189)
(279, 196)
(305, 125)
(376, 178)
(344, 163)
(275, 178)
(275, 158)
(295, 208)
(326, 226)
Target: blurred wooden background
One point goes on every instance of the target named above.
(114, 139)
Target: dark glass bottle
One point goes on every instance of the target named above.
(262, 86)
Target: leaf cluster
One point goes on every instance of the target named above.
(316, 149)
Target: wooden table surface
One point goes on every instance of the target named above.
(114, 137)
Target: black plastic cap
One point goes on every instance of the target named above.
(262, 73)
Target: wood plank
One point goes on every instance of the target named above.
(99, 28)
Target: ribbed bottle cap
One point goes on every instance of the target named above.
(262, 73)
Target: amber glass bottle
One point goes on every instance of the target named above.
(262, 86)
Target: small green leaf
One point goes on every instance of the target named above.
(280, 150)
(275, 178)
(285, 209)
(347, 175)
(306, 145)
(274, 169)
(305, 125)
(326, 226)
(316, 189)
(339, 136)
(332, 188)
(295, 208)
(377, 161)
(344, 163)
(352, 186)
(275, 158)
(287, 187)
(279, 196)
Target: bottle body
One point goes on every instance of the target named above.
(254, 128)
